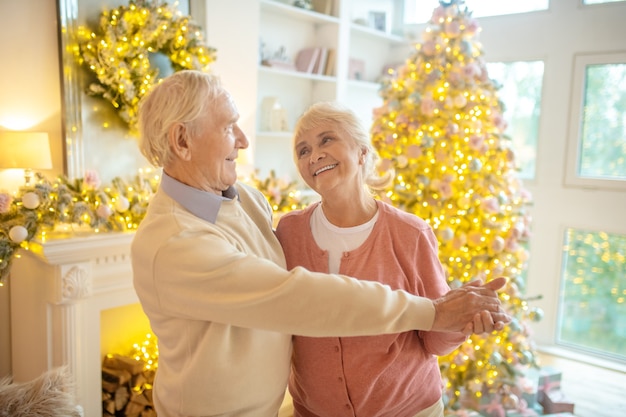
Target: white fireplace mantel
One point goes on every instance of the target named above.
(57, 295)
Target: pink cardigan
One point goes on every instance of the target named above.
(392, 375)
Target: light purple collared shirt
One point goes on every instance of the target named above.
(201, 203)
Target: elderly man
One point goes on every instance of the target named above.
(211, 277)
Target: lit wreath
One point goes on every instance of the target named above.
(119, 55)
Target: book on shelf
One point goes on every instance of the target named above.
(331, 60)
(306, 59)
(323, 6)
(320, 64)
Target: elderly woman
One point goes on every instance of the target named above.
(349, 232)
(210, 273)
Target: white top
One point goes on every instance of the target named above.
(337, 240)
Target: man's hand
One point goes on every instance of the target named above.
(472, 308)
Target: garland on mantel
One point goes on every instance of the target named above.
(64, 206)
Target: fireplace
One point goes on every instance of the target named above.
(63, 295)
(71, 299)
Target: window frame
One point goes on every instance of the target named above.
(574, 143)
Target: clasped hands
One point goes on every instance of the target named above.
(471, 308)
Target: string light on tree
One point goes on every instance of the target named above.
(441, 132)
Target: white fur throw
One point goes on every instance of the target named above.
(49, 395)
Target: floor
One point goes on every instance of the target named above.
(595, 390)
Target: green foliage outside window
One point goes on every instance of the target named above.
(603, 146)
(593, 294)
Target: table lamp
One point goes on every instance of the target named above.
(25, 150)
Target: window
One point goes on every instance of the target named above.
(420, 11)
(597, 138)
(520, 92)
(593, 294)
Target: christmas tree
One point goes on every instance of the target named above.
(441, 132)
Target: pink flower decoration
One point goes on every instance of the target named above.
(5, 202)
(414, 151)
(445, 189)
(428, 106)
(92, 179)
(499, 121)
(476, 142)
(511, 244)
(402, 119)
(438, 14)
(471, 70)
(490, 205)
(429, 48)
(453, 28)
(472, 26)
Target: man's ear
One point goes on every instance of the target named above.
(179, 141)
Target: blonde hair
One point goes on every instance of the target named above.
(183, 97)
(333, 112)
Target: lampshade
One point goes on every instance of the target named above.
(25, 150)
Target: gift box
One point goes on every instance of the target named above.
(555, 401)
(548, 379)
(526, 389)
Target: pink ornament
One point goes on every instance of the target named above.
(511, 244)
(470, 71)
(414, 151)
(92, 179)
(428, 106)
(476, 142)
(441, 155)
(5, 202)
(452, 29)
(459, 241)
(445, 189)
(452, 129)
(499, 121)
(472, 26)
(104, 211)
(497, 244)
(460, 101)
(490, 205)
(474, 238)
(429, 48)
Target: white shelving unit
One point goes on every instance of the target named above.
(282, 26)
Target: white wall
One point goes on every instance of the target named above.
(30, 99)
